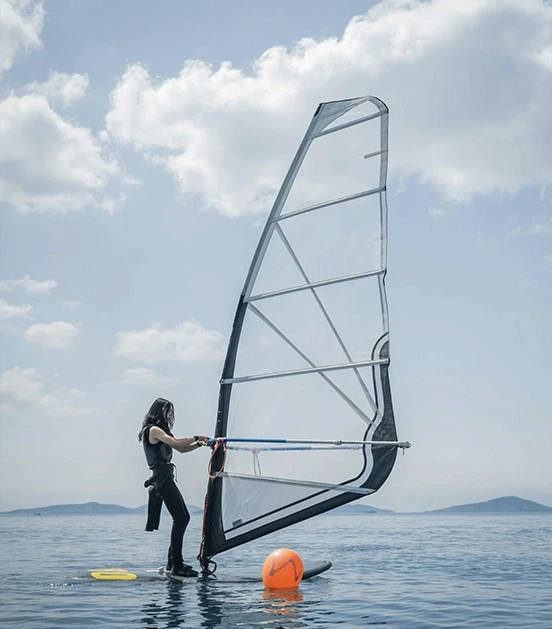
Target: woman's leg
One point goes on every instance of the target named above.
(177, 508)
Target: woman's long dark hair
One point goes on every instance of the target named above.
(161, 414)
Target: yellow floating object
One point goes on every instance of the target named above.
(283, 569)
(113, 574)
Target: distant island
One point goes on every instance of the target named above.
(354, 509)
(88, 508)
(507, 505)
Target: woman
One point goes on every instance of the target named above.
(159, 443)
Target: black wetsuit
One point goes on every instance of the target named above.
(163, 489)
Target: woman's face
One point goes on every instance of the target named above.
(170, 415)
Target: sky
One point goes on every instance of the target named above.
(140, 145)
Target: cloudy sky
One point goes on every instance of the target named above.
(141, 147)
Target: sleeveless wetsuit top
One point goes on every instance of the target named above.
(158, 454)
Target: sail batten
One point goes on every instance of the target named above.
(302, 372)
(308, 286)
(374, 154)
(349, 124)
(319, 206)
(308, 354)
(300, 483)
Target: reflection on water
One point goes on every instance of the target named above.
(283, 597)
(150, 613)
(222, 604)
(177, 606)
(210, 603)
(246, 605)
(281, 603)
(169, 611)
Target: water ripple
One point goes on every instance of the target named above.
(401, 572)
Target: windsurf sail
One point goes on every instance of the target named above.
(305, 420)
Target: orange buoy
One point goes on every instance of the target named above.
(283, 569)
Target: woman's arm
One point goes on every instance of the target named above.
(188, 444)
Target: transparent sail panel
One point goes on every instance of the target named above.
(249, 504)
(304, 406)
(336, 167)
(363, 110)
(329, 325)
(338, 406)
(331, 242)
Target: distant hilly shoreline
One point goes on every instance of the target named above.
(88, 508)
(507, 505)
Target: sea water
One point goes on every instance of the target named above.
(398, 571)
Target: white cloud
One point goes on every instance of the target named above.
(187, 342)
(436, 213)
(516, 231)
(9, 311)
(68, 303)
(143, 375)
(113, 204)
(50, 165)
(24, 387)
(61, 87)
(21, 22)
(466, 84)
(55, 335)
(8, 327)
(544, 56)
(543, 228)
(28, 284)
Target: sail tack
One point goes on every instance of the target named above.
(308, 356)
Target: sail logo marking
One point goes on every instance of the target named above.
(274, 570)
